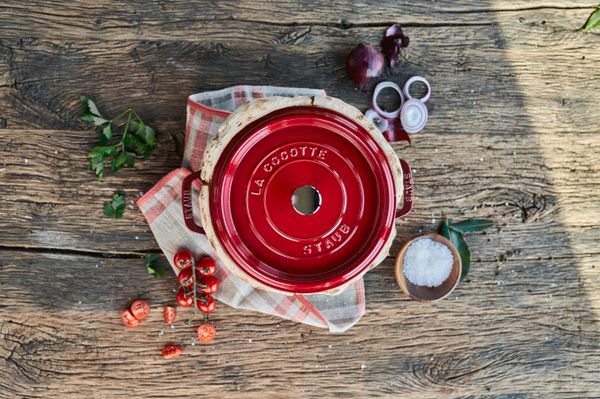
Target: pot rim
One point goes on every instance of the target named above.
(260, 108)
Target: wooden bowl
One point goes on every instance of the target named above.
(421, 293)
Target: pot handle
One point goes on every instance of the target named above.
(408, 190)
(186, 202)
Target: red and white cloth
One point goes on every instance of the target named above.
(162, 208)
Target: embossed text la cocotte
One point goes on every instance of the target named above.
(299, 195)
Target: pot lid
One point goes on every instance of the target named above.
(303, 199)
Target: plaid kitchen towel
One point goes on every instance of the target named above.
(162, 208)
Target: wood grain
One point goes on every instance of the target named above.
(513, 135)
(188, 20)
(52, 196)
(527, 330)
(474, 76)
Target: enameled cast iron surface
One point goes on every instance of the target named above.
(251, 199)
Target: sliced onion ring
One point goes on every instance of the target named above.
(377, 120)
(413, 116)
(378, 89)
(412, 80)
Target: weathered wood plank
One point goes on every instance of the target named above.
(485, 70)
(50, 200)
(504, 112)
(184, 20)
(526, 330)
(513, 135)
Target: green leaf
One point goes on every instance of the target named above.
(150, 136)
(160, 272)
(89, 106)
(137, 141)
(153, 267)
(103, 150)
(130, 161)
(97, 166)
(137, 145)
(137, 128)
(463, 250)
(118, 203)
(105, 132)
(118, 162)
(119, 212)
(95, 161)
(593, 20)
(85, 105)
(445, 229)
(471, 225)
(97, 156)
(147, 150)
(457, 239)
(116, 207)
(143, 141)
(147, 153)
(131, 142)
(108, 210)
(91, 112)
(96, 120)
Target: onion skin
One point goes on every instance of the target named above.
(393, 41)
(364, 62)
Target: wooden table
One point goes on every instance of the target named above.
(513, 135)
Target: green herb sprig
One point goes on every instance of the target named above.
(116, 207)
(593, 20)
(153, 267)
(138, 140)
(454, 232)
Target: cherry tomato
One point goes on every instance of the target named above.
(128, 319)
(171, 351)
(185, 299)
(206, 304)
(206, 332)
(140, 309)
(208, 284)
(183, 258)
(185, 278)
(206, 266)
(169, 314)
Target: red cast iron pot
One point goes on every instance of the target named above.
(261, 155)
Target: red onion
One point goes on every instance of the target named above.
(364, 62)
(393, 41)
(377, 120)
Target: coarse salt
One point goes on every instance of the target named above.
(427, 263)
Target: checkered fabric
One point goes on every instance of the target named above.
(162, 208)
